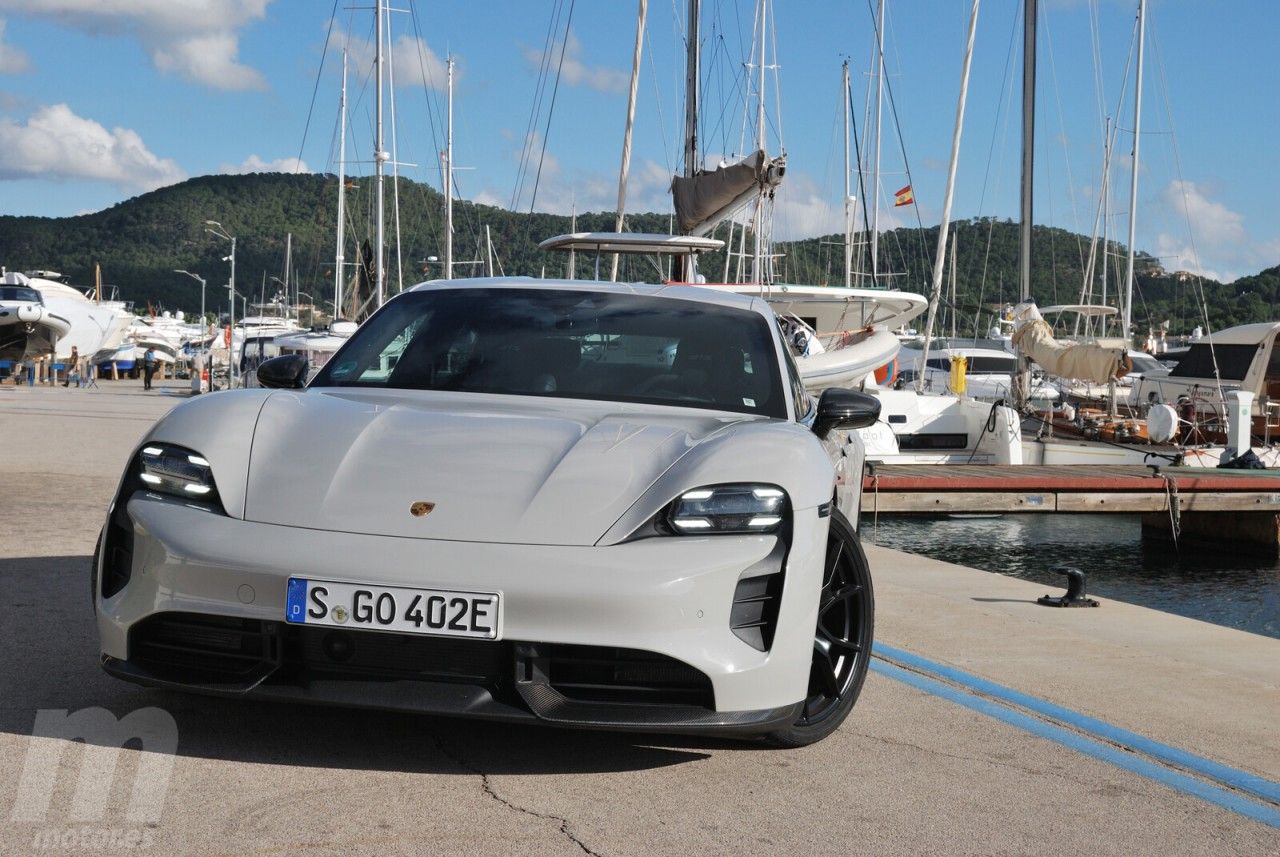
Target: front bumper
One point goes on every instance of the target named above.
(666, 597)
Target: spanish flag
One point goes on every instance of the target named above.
(903, 197)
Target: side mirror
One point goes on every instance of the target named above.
(289, 371)
(839, 408)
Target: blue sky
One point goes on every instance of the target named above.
(103, 99)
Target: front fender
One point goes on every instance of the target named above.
(219, 426)
(783, 454)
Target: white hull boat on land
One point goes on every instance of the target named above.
(97, 327)
(27, 326)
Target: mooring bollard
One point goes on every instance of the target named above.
(1075, 596)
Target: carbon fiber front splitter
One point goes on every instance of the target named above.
(544, 703)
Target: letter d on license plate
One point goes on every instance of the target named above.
(399, 609)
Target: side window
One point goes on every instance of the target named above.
(798, 393)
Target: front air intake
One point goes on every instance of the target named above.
(605, 674)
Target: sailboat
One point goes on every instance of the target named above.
(319, 345)
(841, 335)
(1154, 430)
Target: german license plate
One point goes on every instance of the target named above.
(393, 608)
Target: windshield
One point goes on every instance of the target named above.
(19, 293)
(567, 344)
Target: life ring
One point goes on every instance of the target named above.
(887, 373)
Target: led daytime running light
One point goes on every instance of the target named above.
(176, 471)
(729, 509)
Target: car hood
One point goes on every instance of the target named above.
(496, 468)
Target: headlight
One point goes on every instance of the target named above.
(729, 509)
(177, 471)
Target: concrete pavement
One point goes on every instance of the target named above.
(909, 773)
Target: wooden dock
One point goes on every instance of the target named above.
(1127, 489)
(1207, 506)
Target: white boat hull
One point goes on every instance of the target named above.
(852, 362)
(29, 329)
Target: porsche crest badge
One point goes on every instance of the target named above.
(421, 508)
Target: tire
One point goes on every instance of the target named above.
(842, 640)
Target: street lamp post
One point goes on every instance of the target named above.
(221, 232)
(204, 341)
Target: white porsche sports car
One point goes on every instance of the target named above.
(570, 502)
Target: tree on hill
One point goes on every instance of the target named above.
(141, 241)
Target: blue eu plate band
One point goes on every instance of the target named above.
(296, 601)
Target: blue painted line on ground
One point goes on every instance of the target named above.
(1228, 776)
(1233, 801)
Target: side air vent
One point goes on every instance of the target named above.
(117, 552)
(754, 616)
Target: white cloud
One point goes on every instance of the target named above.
(196, 39)
(412, 61)
(1219, 246)
(56, 143)
(563, 190)
(1211, 222)
(577, 73)
(255, 164)
(804, 210)
(12, 60)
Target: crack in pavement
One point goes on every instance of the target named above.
(487, 786)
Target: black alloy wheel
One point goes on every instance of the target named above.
(842, 640)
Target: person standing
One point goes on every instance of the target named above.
(73, 368)
(148, 367)
(197, 373)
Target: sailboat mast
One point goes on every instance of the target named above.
(757, 260)
(875, 178)
(940, 259)
(448, 179)
(955, 235)
(570, 273)
(379, 159)
(1133, 179)
(626, 134)
(1028, 145)
(1106, 210)
(288, 264)
(693, 74)
(1022, 387)
(848, 190)
(339, 257)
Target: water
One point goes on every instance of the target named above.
(1218, 587)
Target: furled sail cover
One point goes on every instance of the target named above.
(708, 197)
(1033, 338)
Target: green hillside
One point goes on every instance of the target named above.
(141, 241)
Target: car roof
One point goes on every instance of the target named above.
(678, 291)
